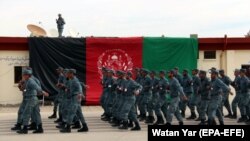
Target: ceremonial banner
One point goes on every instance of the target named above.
(89, 55)
(114, 53)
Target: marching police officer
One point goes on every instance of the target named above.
(175, 91)
(225, 99)
(131, 89)
(146, 95)
(162, 102)
(217, 87)
(75, 95)
(236, 100)
(195, 98)
(245, 93)
(204, 92)
(187, 84)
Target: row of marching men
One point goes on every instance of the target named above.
(70, 92)
(150, 95)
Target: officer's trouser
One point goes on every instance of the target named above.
(128, 104)
(147, 96)
(20, 111)
(32, 102)
(235, 102)
(173, 109)
(244, 104)
(195, 99)
(203, 106)
(214, 108)
(162, 105)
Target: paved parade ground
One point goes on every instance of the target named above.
(99, 130)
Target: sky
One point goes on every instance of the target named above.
(125, 18)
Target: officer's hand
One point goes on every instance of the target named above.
(184, 98)
(45, 94)
(137, 92)
(87, 86)
(79, 97)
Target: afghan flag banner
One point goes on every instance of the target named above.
(114, 53)
(166, 53)
(89, 55)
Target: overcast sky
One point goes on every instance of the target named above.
(173, 18)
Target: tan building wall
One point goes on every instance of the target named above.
(9, 93)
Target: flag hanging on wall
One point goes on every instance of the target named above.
(89, 55)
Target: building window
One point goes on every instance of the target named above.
(18, 73)
(209, 54)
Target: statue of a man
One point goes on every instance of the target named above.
(60, 24)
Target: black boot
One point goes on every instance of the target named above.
(221, 122)
(58, 120)
(183, 113)
(76, 125)
(32, 126)
(143, 117)
(137, 127)
(150, 120)
(23, 131)
(159, 120)
(39, 129)
(181, 123)
(18, 126)
(193, 116)
(124, 125)
(112, 120)
(67, 129)
(234, 116)
(243, 119)
(53, 115)
(116, 123)
(61, 125)
(168, 124)
(130, 124)
(202, 122)
(84, 128)
(106, 118)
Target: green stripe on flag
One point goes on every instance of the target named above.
(166, 53)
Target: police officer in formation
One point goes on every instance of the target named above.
(29, 110)
(155, 96)
(70, 111)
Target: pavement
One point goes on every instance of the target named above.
(98, 130)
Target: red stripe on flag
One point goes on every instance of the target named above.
(114, 53)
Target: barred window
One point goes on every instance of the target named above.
(209, 54)
(17, 73)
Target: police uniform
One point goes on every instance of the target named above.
(204, 92)
(110, 96)
(30, 95)
(175, 91)
(75, 91)
(128, 109)
(187, 83)
(162, 103)
(225, 98)
(236, 100)
(155, 96)
(195, 98)
(245, 93)
(116, 110)
(217, 88)
(146, 95)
